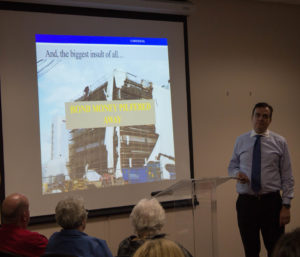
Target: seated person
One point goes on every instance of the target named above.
(159, 248)
(147, 219)
(288, 245)
(14, 236)
(71, 215)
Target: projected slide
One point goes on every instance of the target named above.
(105, 111)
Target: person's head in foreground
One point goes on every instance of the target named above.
(159, 248)
(71, 214)
(147, 218)
(15, 210)
(288, 245)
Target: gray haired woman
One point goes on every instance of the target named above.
(147, 218)
(71, 215)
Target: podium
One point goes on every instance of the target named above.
(199, 234)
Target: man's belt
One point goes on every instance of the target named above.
(260, 196)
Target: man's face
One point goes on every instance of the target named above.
(261, 119)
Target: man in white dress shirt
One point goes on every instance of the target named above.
(263, 204)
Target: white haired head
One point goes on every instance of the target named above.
(148, 217)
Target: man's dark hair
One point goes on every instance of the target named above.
(263, 105)
(288, 245)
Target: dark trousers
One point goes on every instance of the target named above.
(259, 214)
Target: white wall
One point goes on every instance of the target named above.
(241, 52)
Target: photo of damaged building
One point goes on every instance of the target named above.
(108, 156)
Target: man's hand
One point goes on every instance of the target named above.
(242, 177)
(285, 216)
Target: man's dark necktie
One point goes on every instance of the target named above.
(256, 166)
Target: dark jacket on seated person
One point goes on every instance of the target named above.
(75, 242)
(130, 244)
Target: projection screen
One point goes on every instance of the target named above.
(92, 106)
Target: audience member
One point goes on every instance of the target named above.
(159, 248)
(288, 245)
(14, 236)
(147, 218)
(71, 215)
